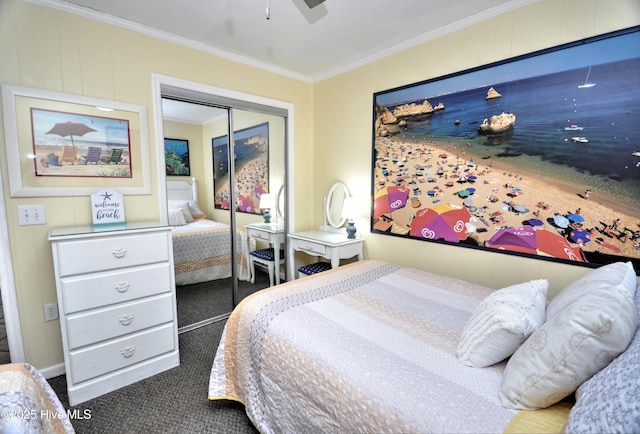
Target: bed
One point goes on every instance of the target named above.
(28, 404)
(201, 247)
(375, 347)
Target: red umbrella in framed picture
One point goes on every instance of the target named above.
(64, 129)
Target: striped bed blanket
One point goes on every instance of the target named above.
(202, 252)
(28, 404)
(367, 347)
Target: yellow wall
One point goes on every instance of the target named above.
(343, 108)
(46, 49)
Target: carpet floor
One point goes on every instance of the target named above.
(174, 401)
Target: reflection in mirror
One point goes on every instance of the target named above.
(333, 206)
(204, 288)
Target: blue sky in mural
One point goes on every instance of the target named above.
(576, 57)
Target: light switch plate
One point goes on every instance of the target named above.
(31, 215)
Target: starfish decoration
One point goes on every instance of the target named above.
(106, 196)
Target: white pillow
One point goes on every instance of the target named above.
(612, 275)
(183, 206)
(196, 212)
(574, 344)
(502, 322)
(176, 217)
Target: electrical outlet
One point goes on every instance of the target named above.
(51, 312)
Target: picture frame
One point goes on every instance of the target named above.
(508, 157)
(176, 154)
(33, 139)
(251, 151)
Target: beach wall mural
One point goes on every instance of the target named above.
(537, 155)
(251, 159)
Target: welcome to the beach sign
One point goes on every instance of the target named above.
(107, 207)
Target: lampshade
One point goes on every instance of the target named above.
(267, 201)
(350, 209)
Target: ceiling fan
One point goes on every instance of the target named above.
(313, 3)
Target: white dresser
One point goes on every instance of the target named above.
(117, 303)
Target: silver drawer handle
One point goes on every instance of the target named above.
(119, 252)
(309, 248)
(126, 319)
(122, 286)
(128, 351)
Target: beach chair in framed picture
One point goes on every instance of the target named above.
(69, 155)
(114, 157)
(93, 155)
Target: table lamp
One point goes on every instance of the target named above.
(267, 202)
(350, 211)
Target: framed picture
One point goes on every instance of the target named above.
(68, 145)
(176, 154)
(537, 155)
(251, 167)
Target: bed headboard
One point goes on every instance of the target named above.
(182, 190)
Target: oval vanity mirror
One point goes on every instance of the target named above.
(333, 205)
(280, 202)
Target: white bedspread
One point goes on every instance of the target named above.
(368, 347)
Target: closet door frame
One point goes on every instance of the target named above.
(165, 85)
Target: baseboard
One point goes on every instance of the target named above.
(53, 371)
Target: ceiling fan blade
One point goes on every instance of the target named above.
(313, 3)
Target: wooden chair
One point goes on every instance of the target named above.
(93, 155)
(69, 154)
(114, 158)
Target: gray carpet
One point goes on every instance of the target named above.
(174, 401)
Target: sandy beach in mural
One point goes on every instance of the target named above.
(51, 161)
(496, 197)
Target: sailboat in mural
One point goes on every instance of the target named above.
(587, 83)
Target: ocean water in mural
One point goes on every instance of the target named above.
(606, 116)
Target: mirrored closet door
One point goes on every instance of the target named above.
(225, 173)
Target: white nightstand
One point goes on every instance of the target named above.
(330, 245)
(273, 233)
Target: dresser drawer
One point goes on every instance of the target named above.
(98, 254)
(98, 325)
(110, 287)
(113, 355)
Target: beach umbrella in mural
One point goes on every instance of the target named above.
(64, 129)
(390, 199)
(555, 245)
(576, 218)
(245, 203)
(525, 239)
(580, 236)
(534, 222)
(464, 193)
(519, 239)
(259, 190)
(561, 221)
(443, 221)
